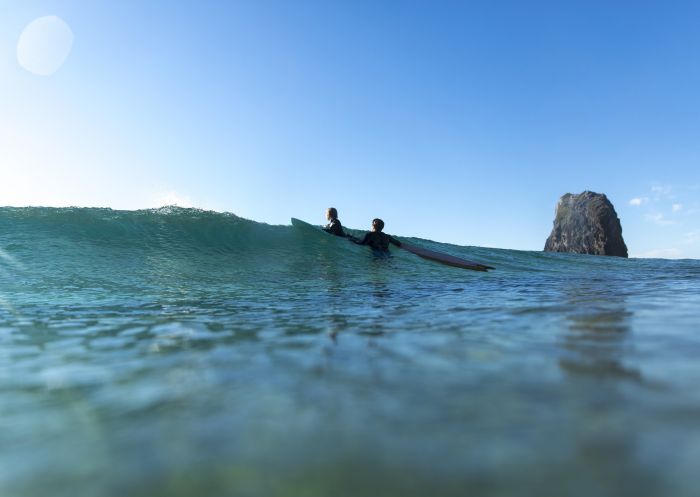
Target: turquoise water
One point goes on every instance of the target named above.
(177, 352)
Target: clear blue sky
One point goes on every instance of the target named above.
(462, 122)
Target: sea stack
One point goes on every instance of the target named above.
(586, 224)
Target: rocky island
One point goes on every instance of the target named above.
(586, 224)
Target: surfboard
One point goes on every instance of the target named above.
(432, 255)
(443, 258)
(303, 224)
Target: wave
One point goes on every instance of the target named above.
(201, 242)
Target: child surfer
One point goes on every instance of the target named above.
(333, 227)
(377, 240)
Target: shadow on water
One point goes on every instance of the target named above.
(602, 388)
(599, 326)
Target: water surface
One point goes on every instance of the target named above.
(178, 352)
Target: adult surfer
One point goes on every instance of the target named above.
(333, 227)
(376, 239)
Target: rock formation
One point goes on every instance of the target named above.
(586, 224)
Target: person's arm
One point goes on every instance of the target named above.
(364, 241)
(394, 241)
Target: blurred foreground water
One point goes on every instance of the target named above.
(179, 352)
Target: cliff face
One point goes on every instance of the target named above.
(586, 224)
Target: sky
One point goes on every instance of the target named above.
(461, 122)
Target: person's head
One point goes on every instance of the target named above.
(377, 224)
(331, 213)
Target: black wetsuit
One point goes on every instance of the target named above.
(334, 228)
(379, 241)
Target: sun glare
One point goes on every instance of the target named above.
(44, 45)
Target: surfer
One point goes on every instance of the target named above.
(333, 227)
(376, 239)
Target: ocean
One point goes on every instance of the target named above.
(179, 352)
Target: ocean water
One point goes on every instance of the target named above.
(177, 352)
